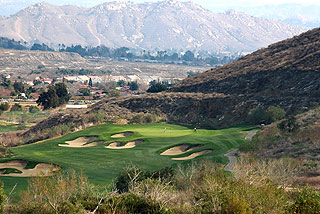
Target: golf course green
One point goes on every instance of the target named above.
(102, 164)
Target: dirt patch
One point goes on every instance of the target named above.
(194, 155)
(128, 145)
(179, 150)
(122, 135)
(41, 169)
(80, 142)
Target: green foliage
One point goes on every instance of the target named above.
(84, 91)
(3, 198)
(131, 204)
(4, 106)
(33, 109)
(144, 118)
(121, 83)
(18, 87)
(276, 113)
(289, 125)
(307, 201)
(188, 56)
(56, 95)
(49, 99)
(96, 117)
(114, 93)
(62, 93)
(133, 86)
(90, 82)
(158, 87)
(16, 107)
(259, 115)
(74, 72)
(134, 174)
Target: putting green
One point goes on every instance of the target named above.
(102, 165)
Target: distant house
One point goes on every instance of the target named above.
(48, 81)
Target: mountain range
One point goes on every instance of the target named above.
(168, 24)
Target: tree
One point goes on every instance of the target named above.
(133, 86)
(62, 93)
(121, 83)
(90, 82)
(49, 99)
(188, 56)
(4, 107)
(258, 116)
(158, 87)
(56, 95)
(276, 113)
(18, 87)
(84, 91)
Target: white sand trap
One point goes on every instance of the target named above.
(194, 155)
(179, 150)
(128, 145)
(80, 142)
(122, 135)
(41, 169)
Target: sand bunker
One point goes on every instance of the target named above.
(128, 145)
(194, 155)
(80, 142)
(122, 135)
(179, 150)
(41, 169)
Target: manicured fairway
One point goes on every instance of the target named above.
(102, 165)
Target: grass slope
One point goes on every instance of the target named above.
(102, 165)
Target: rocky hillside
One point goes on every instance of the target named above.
(165, 24)
(288, 68)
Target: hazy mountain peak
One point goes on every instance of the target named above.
(168, 24)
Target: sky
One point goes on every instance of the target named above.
(8, 7)
(205, 3)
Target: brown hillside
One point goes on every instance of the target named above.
(290, 66)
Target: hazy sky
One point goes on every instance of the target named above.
(210, 3)
(8, 7)
(206, 3)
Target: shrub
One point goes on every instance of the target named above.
(258, 116)
(158, 87)
(133, 175)
(131, 204)
(16, 107)
(307, 200)
(54, 194)
(4, 107)
(114, 93)
(289, 125)
(276, 113)
(144, 118)
(2, 198)
(33, 109)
